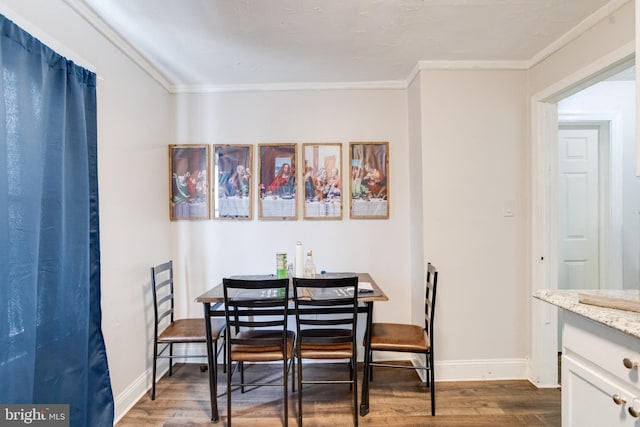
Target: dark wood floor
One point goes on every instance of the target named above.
(397, 399)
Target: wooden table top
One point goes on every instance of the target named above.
(216, 294)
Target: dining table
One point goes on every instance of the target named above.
(213, 299)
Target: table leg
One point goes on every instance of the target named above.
(213, 375)
(364, 402)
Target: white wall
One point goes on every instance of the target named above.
(135, 124)
(474, 167)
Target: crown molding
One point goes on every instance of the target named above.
(387, 84)
(472, 65)
(118, 41)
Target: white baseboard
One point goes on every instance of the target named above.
(130, 396)
(482, 369)
(474, 370)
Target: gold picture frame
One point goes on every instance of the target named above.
(369, 183)
(189, 182)
(232, 181)
(321, 181)
(278, 195)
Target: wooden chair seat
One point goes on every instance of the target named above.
(252, 353)
(399, 337)
(330, 351)
(191, 331)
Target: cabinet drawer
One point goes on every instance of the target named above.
(588, 398)
(602, 346)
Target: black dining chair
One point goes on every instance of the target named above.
(408, 338)
(168, 331)
(256, 317)
(326, 316)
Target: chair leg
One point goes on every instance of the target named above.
(229, 375)
(224, 356)
(354, 379)
(433, 385)
(285, 383)
(170, 359)
(351, 374)
(241, 377)
(299, 391)
(370, 367)
(428, 365)
(153, 378)
(292, 368)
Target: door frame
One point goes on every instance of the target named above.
(543, 257)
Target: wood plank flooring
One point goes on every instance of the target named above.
(397, 399)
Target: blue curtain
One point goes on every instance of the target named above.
(51, 345)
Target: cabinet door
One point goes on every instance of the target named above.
(588, 397)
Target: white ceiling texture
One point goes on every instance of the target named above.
(209, 44)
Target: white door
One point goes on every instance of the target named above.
(578, 208)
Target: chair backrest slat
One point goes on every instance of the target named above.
(164, 299)
(164, 314)
(163, 283)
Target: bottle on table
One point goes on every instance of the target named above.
(309, 266)
(281, 265)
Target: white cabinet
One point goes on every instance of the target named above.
(600, 380)
(588, 397)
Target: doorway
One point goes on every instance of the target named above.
(591, 143)
(549, 114)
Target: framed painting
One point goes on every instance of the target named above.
(322, 181)
(232, 184)
(277, 174)
(189, 182)
(369, 185)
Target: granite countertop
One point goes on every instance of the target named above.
(622, 320)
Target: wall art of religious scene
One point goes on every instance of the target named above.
(232, 184)
(322, 181)
(369, 183)
(188, 182)
(277, 198)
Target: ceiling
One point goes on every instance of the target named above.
(227, 43)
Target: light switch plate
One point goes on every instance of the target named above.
(509, 209)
